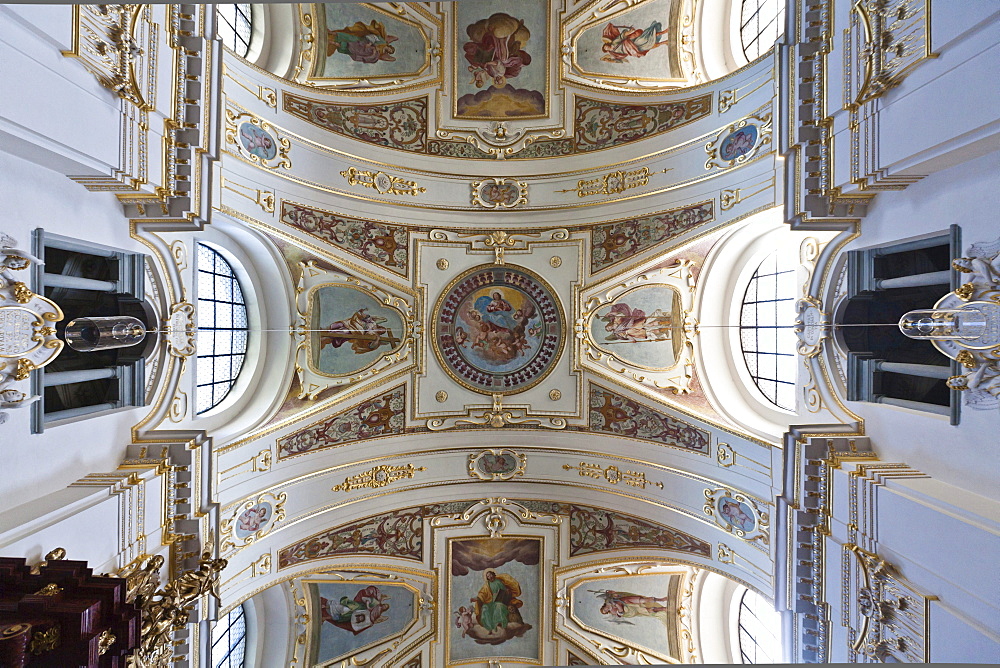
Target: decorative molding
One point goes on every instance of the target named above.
(497, 417)
(381, 182)
(497, 464)
(613, 475)
(378, 476)
(228, 538)
(893, 617)
(117, 44)
(499, 193)
(181, 333)
(757, 532)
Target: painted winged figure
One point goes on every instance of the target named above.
(620, 605)
(364, 331)
(363, 43)
(623, 323)
(620, 42)
(494, 52)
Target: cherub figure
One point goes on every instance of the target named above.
(464, 619)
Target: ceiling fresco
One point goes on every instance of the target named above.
(521, 323)
(514, 84)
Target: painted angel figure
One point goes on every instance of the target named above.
(623, 323)
(363, 43)
(464, 620)
(620, 42)
(253, 519)
(622, 604)
(735, 516)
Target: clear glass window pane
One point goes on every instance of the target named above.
(222, 328)
(767, 336)
(762, 22)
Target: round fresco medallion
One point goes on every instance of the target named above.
(738, 143)
(736, 513)
(253, 519)
(498, 329)
(258, 141)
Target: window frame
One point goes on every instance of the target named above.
(756, 281)
(741, 630)
(233, 616)
(243, 15)
(775, 9)
(204, 301)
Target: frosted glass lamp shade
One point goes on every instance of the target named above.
(101, 333)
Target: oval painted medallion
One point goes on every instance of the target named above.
(498, 329)
(738, 143)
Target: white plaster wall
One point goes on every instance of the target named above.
(957, 455)
(37, 464)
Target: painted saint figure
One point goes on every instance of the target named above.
(620, 42)
(623, 323)
(497, 604)
(364, 331)
(363, 43)
(621, 604)
(366, 609)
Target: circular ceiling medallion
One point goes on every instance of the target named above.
(498, 329)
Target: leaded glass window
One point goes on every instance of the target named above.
(767, 335)
(234, 27)
(759, 630)
(762, 22)
(222, 328)
(229, 640)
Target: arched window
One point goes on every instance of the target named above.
(222, 328)
(761, 23)
(767, 334)
(234, 26)
(229, 640)
(759, 630)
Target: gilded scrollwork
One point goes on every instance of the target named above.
(740, 142)
(499, 193)
(613, 475)
(378, 476)
(251, 520)
(382, 183)
(497, 464)
(611, 183)
(257, 141)
(739, 514)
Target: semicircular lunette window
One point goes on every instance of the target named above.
(762, 22)
(759, 630)
(234, 25)
(767, 335)
(222, 328)
(229, 640)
